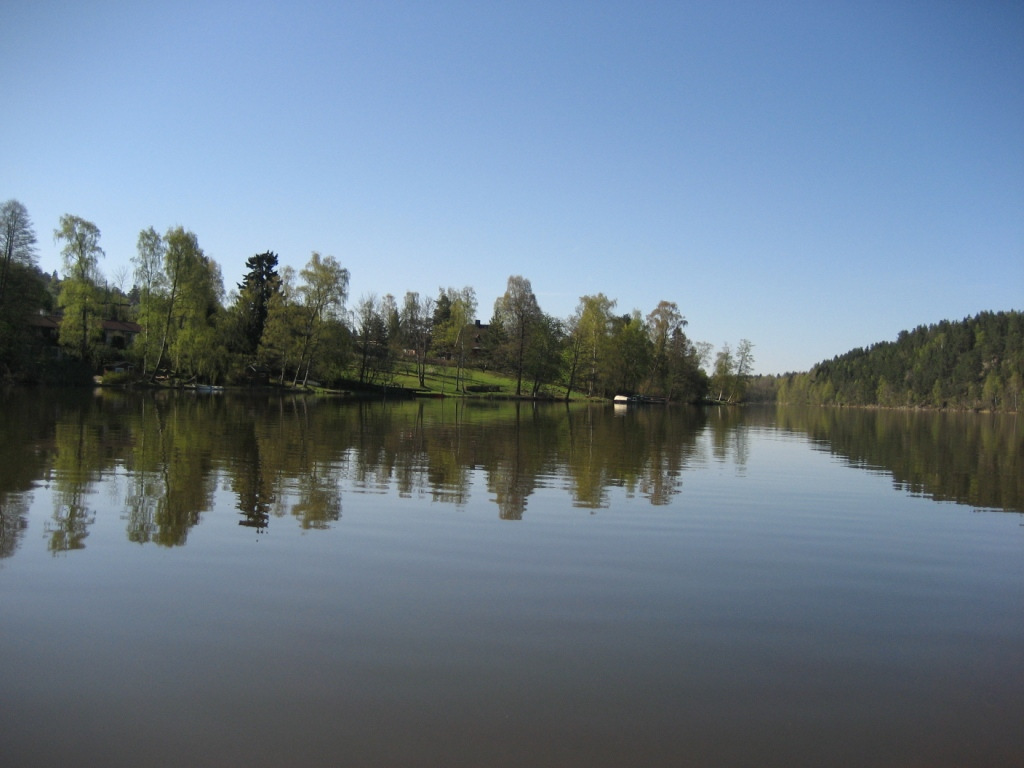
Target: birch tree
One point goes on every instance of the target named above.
(416, 317)
(79, 297)
(151, 283)
(593, 326)
(322, 293)
(182, 261)
(455, 310)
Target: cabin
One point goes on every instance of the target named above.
(476, 334)
(117, 334)
(45, 328)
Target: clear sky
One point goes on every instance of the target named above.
(811, 176)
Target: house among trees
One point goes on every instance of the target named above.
(117, 334)
(477, 333)
(45, 329)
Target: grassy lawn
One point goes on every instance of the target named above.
(440, 379)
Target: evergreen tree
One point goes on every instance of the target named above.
(254, 295)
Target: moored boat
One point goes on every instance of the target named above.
(638, 400)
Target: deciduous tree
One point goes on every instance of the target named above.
(280, 346)
(322, 292)
(518, 312)
(150, 281)
(22, 289)
(184, 263)
(416, 316)
(17, 242)
(371, 338)
(631, 356)
(455, 310)
(543, 356)
(79, 297)
(592, 325)
(662, 323)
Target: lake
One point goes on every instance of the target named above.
(227, 580)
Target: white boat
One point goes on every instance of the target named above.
(637, 400)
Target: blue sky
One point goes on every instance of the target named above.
(810, 176)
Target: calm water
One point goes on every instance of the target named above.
(229, 581)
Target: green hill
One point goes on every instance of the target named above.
(976, 363)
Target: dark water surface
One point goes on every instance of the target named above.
(229, 581)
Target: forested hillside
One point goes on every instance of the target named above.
(976, 363)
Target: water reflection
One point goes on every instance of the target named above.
(967, 458)
(293, 457)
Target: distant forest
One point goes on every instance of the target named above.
(976, 363)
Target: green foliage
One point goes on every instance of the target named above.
(631, 353)
(731, 375)
(22, 289)
(686, 381)
(454, 311)
(27, 295)
(371, 337)
(296, 327)
(17, 243)
(415, 329)
(590, 330)
(977, 363)
(543, 359)
(322, 294)
(280, 344)
(255, 291)
(79, 298)
(517, 312)
(150, 282)
(190, 342)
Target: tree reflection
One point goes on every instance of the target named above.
(512, 471)
(13, 521)
(249, 481)
(145, 478)
(673, 448)
(76, 465)
(291, 458)
(587, 472)
(26, 426)
(319, 501)
(730, 440)
(447, 453)
(967, 458)
(184, 434)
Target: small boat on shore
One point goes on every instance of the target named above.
(638, 400)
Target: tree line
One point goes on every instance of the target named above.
(294, 326)
(976, 363)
